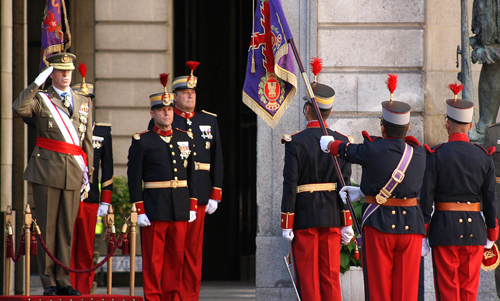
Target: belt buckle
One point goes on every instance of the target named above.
(174, 184)
(380, 199)
(400, 174)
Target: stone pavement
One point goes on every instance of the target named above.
(210, 290)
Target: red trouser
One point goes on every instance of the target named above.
(456, 271)
(82, 251)
(162, 259)
(391, 264)
(316, 257)
(191, 272)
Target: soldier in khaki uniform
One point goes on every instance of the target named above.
(60, 166)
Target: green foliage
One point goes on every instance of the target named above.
(347, 252)
(120, 201)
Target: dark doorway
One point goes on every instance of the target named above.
(217, 34)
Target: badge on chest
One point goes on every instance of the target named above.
(206, 131)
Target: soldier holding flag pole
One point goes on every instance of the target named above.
(393, 225)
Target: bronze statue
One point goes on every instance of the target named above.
(486, 50)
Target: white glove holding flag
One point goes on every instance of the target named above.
(426, 249)
(103, 209)
(42, 77)
(354, 193)
(324, 141)
(288, 234)
(211, 206)
(143, 220)
(192, 216)
(489, 244)
(347, 234)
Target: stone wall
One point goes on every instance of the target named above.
(133, 45)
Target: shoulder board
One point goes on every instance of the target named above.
(412, 140)
(349, 137)
(137, 136)
(209, 113)
(103, 124)
(78, 92)
(370, 138)
(181, 130)
(287, 137)
(489, 151)
(432, 150)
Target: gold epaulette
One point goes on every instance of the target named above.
(288, 137)
(209, 113)
(103, 124)
(137, 136)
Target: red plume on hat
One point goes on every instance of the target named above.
(192, 65)
(456, 89)
(164, 80)
(316, 66)
(392, 83)
(83, 71)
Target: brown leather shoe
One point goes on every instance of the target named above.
(68, 291)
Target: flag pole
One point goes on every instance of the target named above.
(325, 133)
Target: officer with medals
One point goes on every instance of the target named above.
(393, 226)
(313, 217)
(459, 177)
(60, 166)
(203, 131)
(162, 158)
(97, 203)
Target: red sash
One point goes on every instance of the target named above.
(61, 147)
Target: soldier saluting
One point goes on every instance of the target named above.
(60, 165)
(393, 226)
(456, 185)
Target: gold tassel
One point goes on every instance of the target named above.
(253, 64)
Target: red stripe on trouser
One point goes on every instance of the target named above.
(82, 250)
(316, 256)
(193, 254)
(391, 265)
(162, 259)
(456, 271)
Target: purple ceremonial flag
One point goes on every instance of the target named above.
(270, 82)
(56, 36)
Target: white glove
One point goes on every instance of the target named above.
(192, 216)
(323, 143)
(425, 247)
(489, 244)
(288, 234)
(42, 77)
(211, 206)
(347, 234)
(103, 209)
(143, 220)
(354, 193)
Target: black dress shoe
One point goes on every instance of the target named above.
(50, 291)
(68, 291)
